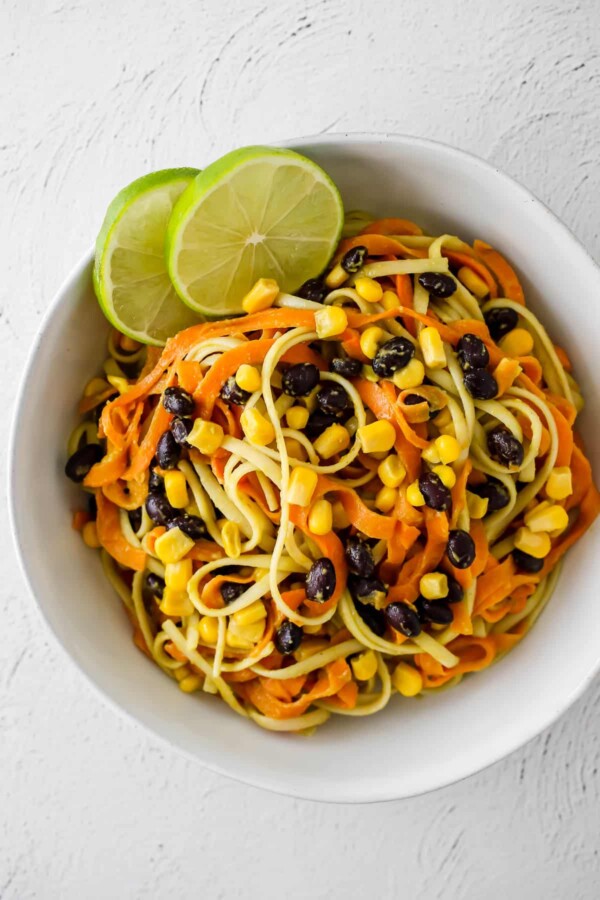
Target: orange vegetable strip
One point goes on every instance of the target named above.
(227, 365)
(392, 226)
(143, 457)
(464, 259)
(111, 537)
(502, 271)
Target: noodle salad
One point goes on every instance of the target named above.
(359, 489)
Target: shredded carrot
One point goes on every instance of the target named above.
(502, 270)
(111, 537)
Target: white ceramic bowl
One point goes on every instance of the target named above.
(412, 746)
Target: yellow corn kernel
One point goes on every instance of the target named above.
(506, 372)
(370, 340)
(121, 384)
(411, 376)
(190, 684)
(330, 321)
(176, 603)
(261, 296)
(473, 282)
(257, 428)
(368, 373)
(173, 545)
(477, 505)
(414, 495)
(334, 440)
(320, 517)
(560, 483)
(537, 545)
(250, 615)
(297, 417)
(446, 474)
(336, 277)
(340, 519)
(176, 488)
(430, 454)
(547, 517)
(444, 418)
(407, 680)
(129, 345)
(432, 348)
(434, 585)
(243, 637)
(310, 402)
(302, 486)
(378, 437)
(391, 471)
(369, 289)
(295, 449)
(517, 342)
(89, 533)
(448, 448)
(312, 629)
(182, 672)
(178, 574)
(206, 437)
(364, 666)
(390, 300)
(248, 378)
(232, 541)
(386, 499)
(95, 386)
(208, 629)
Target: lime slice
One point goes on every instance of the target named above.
(130, 273)
(256, 212)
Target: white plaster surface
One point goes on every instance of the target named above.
(93, 95)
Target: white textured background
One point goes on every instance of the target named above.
(93, 95)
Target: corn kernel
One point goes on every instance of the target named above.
(121, 384)
(206, 437)
(446, 474)
(391, 471)
(295, 450)
(176, 488)
(369, 289)
(297, 417)
(407, 680)
(444, 418)
(430, 454)
(173, 545)
(364, 666)
(250, 614)
(232, 541)
(89, 533)
(390, 300)
(190, 684)
(248, 378)
(330, 321)
(448, 448)
(182, 672)
(312, 629)
(434, 585)
(370, 340)
(410, 376)
(257, 428)
(336, 277)
(243, 637)
(178, 574)
(547, 517)
(334, 440)
(517, 342)
(432, 348)
(537, 545)
(208, 629)
(477, 505)
(560, 483)
(386, 499)
(414, 495)
(320, 517)
(340, 519)
(261, 296)
(506, 372)
(473, 282)
(368, 374)
(378, 437)
(302, 486)
(176, 603)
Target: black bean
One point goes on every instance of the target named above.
(436, 611)
(527, 562)
(168, 451)
(455, 591)
(135, 518)
(472, 352)
(373, 618)
(437, 496)
(504, 447)
(159, 509)
(299, 380)
(178, 401)
(231, 392)
(367, 590)
(180, 428)
(393, 355)
(403, 619)
(155, 584)
(332, 398)
(348, 368)
(438, 284)
(353, 260)
(414, 399)
(288, 637)
(500, 321)
(92, 506)
(156, 484)
(80, 463)
(460, 548)
(231, 590)
(314, 289)
(481, 384)
(359, 557)
(496, 493)
(320, 580)
(317, 423)
(193, 526)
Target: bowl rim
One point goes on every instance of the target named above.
(454, 771)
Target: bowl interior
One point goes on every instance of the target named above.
(411, 746)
